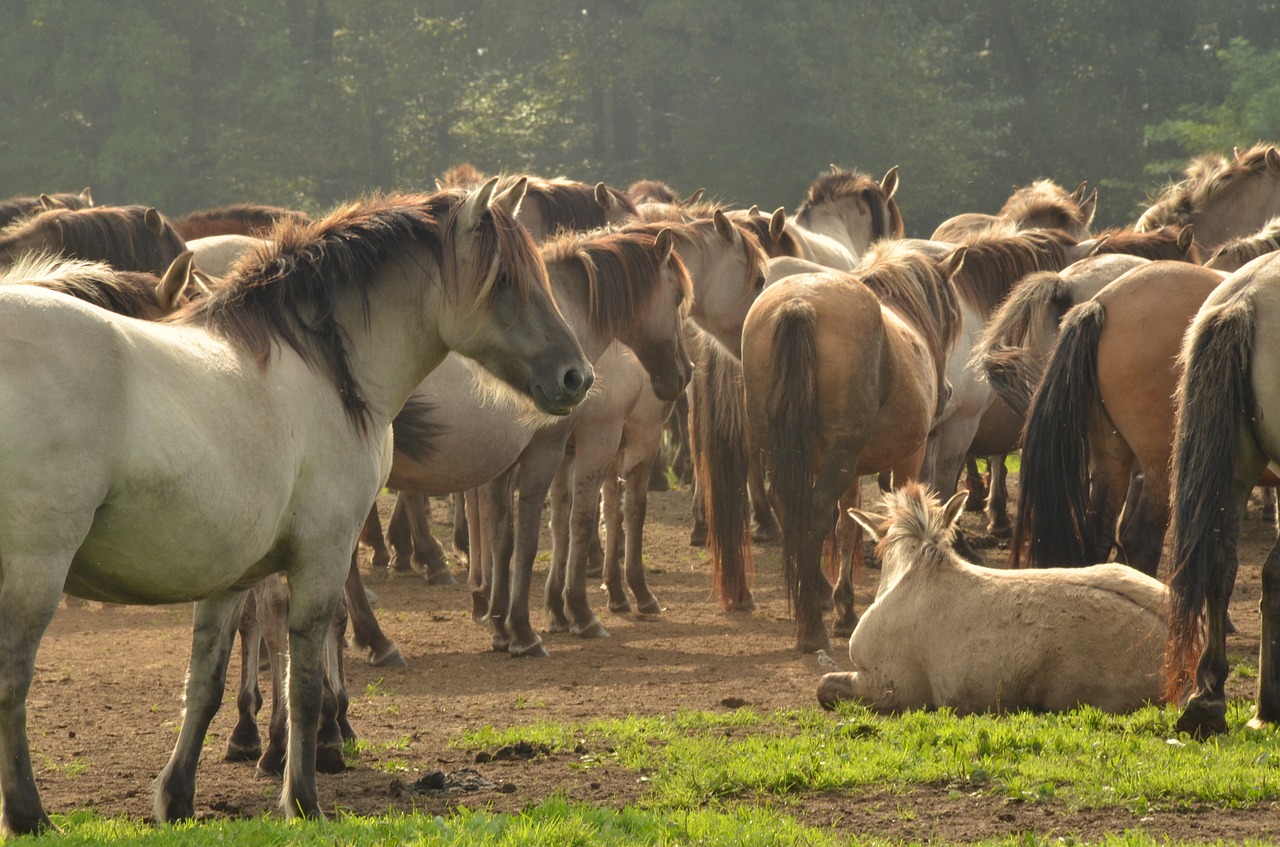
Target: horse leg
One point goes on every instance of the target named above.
(850, 534)
(611, 495)
(557, 620)
(365, 631)
(1143, 527)
(1268, 709)
(30, 589)
(428, 553)
(998, 498)
(636, 506)
(584, 519)
(698, 508)
(595, 549)
(335, 729)
(461, 534)
(678, 428)
(658, 473)
(272, 601)
(977, 486)
(245, 742)
(400, 535)
(767, 528)
(371, 536)
(216, 619)
(498, 492)
(479, 562)
(1114, 489)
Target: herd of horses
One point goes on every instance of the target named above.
(201, 409)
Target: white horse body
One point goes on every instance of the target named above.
(945, 633)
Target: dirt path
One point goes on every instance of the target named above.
(101, 728)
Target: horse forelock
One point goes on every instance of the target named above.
(994, 265)
(622, 272)
(288, 290)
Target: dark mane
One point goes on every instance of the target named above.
(25, 205)
(129, 293)
(911, 283)
(886, 218)
(117, 235)
(652, 191)
(237, 219)
(1240, 251)
(994, 265)
(288, 293)
(621, 271)
(1163, 243)
(416, 433)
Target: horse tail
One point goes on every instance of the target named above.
(719, 443)
(1214, 399)
(1052, 527)
(793, 420)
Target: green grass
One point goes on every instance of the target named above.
(1082, 758)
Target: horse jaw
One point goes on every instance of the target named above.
(496, 394)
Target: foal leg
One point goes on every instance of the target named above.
(216, 618)
(30, 588)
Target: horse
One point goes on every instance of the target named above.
(1225, 437)
(1102, 411)
(216, 254)
(1238, 252)
(136, 238)
(130, 293)
(1062, 639)
(843, 212)
(554, 204)
(117, 490)
(237, 219)
(1042, 205)
(843, 376)
(21, 206)
(1223, 199)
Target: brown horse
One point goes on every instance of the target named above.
(551, 205)
(1102, 412)
(237, 219)
(22, 206)
(134, 238)
(843, 377)
(1224, 199)
(1226, 436)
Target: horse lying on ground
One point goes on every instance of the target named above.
(1045, 640)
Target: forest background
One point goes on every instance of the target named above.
(304, 103)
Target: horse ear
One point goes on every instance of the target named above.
(954, 261)
(889, 185)
(1077, 196)
(170, 288)
(47, 202)
(693, 198)
(1186, 238)
(1097, 245)
(439, 185)
(777, 223)
(868, 522)
(951, 511)
(835, 169)
(603, 197)
(154, 222)
(513, 196)
(1273, 160)
(753, 211)
(203, 281)
(1088, 208)
(664, 245)
(476, 204)
(724, 226)
(87, 196)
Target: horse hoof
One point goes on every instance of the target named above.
(500, 643)
(843, 629)
(833, 688)
(1203, 719)
(535, 650)
(650, 607)
(766, 534)
(620, 607)
(242, 752)
(388, 657)
(441, 576)
(593, 629)
(329, 760)
(698, 537)
(270, 766)
(1001, 531)
(557, 624)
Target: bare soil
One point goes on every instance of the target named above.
(105, 705)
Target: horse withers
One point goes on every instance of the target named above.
(944, 633)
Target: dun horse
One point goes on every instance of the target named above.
(136, 238)
(118, 489)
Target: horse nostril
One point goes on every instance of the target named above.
(576, 382)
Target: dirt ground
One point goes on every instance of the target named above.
(101, 728)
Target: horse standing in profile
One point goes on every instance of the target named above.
(118, 489)
(1061, 639)
(136, 238)
(1227, 434)
(843, 377)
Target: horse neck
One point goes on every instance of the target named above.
(571, 288)
(1237, 212)
(720, 297)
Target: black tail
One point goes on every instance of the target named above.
(793, 420)
(1215, 401)
(1052, 527)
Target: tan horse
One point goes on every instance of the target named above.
(1226, 436)
(1102, 411)
(1238, 252)
(136, 238)
(843, 213)
(843, 377)
(1224, 199)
